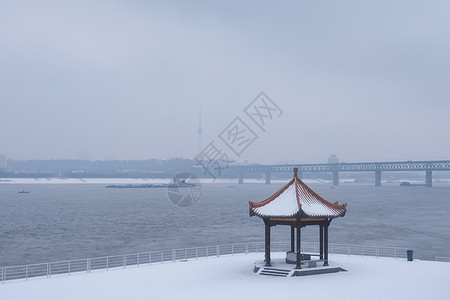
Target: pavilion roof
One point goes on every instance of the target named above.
(297, 199)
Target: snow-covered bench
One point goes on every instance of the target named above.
(291, 258)
(312, 263)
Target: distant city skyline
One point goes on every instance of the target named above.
(367, 81)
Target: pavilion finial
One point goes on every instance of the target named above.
(295, 172)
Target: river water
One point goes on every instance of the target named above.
(67, 221)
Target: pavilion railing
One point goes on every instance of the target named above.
(87, 265)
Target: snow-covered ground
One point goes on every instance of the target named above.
(231, 277)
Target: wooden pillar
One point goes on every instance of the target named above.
(299, 255)
(267, 245)
(292, 238)
(321, 241)
(325, 263)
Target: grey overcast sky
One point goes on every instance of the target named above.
(366, 80)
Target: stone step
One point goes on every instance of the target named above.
(275, 269)
(274, 272)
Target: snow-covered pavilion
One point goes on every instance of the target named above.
(297, 205)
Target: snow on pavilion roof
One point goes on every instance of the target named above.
(296, 198)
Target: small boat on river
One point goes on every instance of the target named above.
(407, 183)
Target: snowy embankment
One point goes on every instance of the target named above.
(59, 180)
(231, 277)
(56, 180)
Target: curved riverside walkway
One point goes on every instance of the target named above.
(232, 277)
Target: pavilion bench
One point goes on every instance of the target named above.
(291, 258)
(312, 263)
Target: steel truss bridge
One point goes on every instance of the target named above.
(335, 168)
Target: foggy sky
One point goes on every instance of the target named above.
(125, 79)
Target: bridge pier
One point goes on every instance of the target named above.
(429, 178)
(335, 178)
(267, 177)
(377, 178)
(241, 178)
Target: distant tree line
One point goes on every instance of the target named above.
(98, 168)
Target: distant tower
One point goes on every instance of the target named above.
(200, 130)
(333, 159)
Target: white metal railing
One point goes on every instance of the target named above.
(88, 265)
(442, 258)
